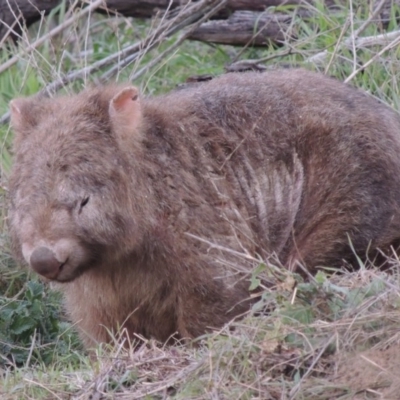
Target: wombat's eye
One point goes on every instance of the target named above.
(84, 201)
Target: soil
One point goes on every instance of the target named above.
(372, 374)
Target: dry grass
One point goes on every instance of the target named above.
(276, 356)
(334, 336)
(333, 339)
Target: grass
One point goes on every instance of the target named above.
(333, 337)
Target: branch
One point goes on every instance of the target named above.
(167, 27)
(352, 42)
(392, 44)
(52, 33)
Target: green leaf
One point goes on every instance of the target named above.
(22, 324)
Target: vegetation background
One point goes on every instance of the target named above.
(334, 336)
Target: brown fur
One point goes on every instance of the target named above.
(134, 203)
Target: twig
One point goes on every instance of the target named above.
(52, 33)
(160, 34)
(17, 19)
(179, 41)
(368, 41)
(392, 44)
(10, 28)
(223, 248)
(377, 40)
(337, 46)
(171, 381)
(354, 42)
(55, 396)
(296, 388)
(366, 23)
(351, 39)
(128, 60)
(164, 31)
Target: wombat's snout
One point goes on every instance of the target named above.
(45, 263)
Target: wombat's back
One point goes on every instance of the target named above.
(311, 163)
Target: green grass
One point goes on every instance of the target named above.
(289, 352)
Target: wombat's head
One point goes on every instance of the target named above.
(71, 204)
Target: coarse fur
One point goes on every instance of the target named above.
(142, 208)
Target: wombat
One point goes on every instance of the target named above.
(149, 212)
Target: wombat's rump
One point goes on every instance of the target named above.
(142, 209)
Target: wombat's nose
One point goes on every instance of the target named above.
(45, 263)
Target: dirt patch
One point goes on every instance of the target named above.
(372, 374)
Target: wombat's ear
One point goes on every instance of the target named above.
(125, 111)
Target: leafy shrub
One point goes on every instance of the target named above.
(31, 327)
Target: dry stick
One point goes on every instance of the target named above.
(179, 41)
(392, 44)
(160, 33)
(23, 38)
(296, 388)
(182, 19)
(352, 37)
(16, 21)
(337, 46)
(154, 31)
(370, 19)
(43, 387)
(163, 31)
(377, 40)
(368, 41)
(193, 14)
(21, 16)
(10, 28)
(170, 381)
(320, 57)
(223, 248)
(33, 61)
(52, 33)
(244, 48)
(378, 366)
(129, 54)
(5, 118)
(129, 59)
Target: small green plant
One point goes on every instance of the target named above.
(31, 327)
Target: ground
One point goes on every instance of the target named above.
(332, 336)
